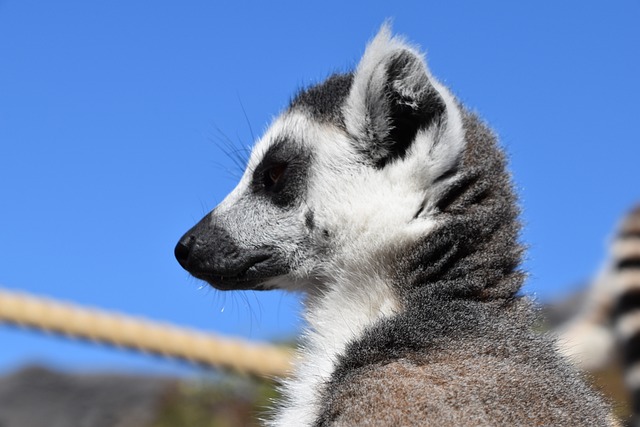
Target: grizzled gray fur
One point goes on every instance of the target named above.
(463, 352)
(390, 207)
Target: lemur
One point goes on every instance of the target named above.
(606, 331)
(388, 204)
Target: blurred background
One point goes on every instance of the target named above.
(115, 118)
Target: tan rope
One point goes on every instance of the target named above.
(258, 359)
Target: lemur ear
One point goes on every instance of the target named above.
(391, 98)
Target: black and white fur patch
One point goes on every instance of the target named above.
(391, 208)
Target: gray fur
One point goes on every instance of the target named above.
(392, 207)
(464, 351)
(324, 101)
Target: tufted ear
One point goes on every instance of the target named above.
(391, 99)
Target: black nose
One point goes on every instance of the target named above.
(183, 250)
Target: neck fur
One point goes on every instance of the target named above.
(473, 253)
(335, 317)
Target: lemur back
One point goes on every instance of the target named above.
(389, 205)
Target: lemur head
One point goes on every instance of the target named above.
(348, 173)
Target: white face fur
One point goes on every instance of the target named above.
(322, 198)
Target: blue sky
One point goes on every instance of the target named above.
(112, 113)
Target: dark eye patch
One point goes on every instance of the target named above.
(281, 176)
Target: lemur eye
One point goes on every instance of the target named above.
(274, 175)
